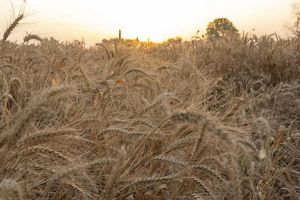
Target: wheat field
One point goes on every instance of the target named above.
(134, 120)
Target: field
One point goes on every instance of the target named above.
(134, 120)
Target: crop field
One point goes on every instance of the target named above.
(123, 119)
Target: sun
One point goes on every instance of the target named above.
(147, 20)
(154, 20)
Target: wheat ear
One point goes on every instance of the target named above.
(12, 26)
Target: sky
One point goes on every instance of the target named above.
(157, 20)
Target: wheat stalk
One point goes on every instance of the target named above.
(29, 37)
(109, 190)
(11, 27)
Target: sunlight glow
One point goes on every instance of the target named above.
(156, 20)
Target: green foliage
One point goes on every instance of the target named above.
(221, 27)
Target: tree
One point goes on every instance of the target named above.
(295, 26)
(176, 40)
(221, 27)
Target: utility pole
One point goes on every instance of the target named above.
(120, 34)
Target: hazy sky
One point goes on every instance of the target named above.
(154, 19)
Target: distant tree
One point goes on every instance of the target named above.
(176, 40)
(295, 26)
(221, 27)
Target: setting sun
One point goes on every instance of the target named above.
(155, 20)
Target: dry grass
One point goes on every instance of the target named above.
(194, 120)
